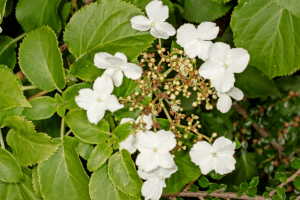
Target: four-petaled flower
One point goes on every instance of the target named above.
(222, 65)
(157, 13)
(224, 102)
(116, 65)
(218, 157)
(196, 42)
(154, 148)
(99, 99)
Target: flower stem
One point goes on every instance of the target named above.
(165, 110)
(62, 128)
(159, 41)
(1, 140)
(19, 37)
(60, 91)
(168, 71)
(31, 87)
(111, 123)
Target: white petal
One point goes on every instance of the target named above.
(125, 120)
(96, 112)
(203, 48)
(141, 23)
(224, 164)
(146, 119)
(117, 62)
(156, 11)
(165, 140)
(191, 48)
(122, 56)
(224, 103)
(132, 70)
(186, 33)
(152, 189)
(223, 144)
(100, 60)
(207, 30)
(112, 104)
(219, 52)
(201, 153)
(208, 68)
(103, 86)
(208, 167)
(166, 27)
(222, 79)
(117, 78)
(147, 161)
(147, 175)
(109, 72)
(145, 141)
(128, 144)
(236, 93)
(1, 30)
(165, 159)
(86, 98)
(238, 60)
(165, 172)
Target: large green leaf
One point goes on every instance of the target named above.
(86, 131)
(122, 172)
(270, 33)
(251, 81)
(220, 1)
(102, 188)
(18, 191)
(42, 108)
(34, 14)
(291, 5)
(7, 51)
(7, 113)
(84, 149)
(98, 157)
(42, 62)
(89, 32)
(62, 176)
(10, 171)
(28, 146)
(10, 92)
(203, 10)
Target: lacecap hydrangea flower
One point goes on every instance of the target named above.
(157, 13)
(224, 102)
(218, 157)
(99, 99)
(117, 65)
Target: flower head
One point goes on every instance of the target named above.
(196, 42)
(99, 99)
(222, 65)
(224, 102)
(218, 157)
(157, 13)
(154, 148)
(117, 65)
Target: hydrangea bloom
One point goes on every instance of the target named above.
(155, 181)
(218, 157)
(157, 13)
(196, 42)
(99, 99)
(224, 102)
(129, 143)
(222, 65)
(116, 65)
(154, 148)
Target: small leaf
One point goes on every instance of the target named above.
(98, 157)
(296, 163)
(238, 189)
(251, 192)
(123, 131)
(42, 108)
(222, 187)
(123, 174)
(215, 175)
(86, 131)
(213, 187)
(8, 54)
(296, 182)
(266, 195)
(203, 182)
(244, 187)
(10, 169)
(239, 194)
(194, 188)
(254, 181)
(84, 149)
(61, 105)
(280, 191)
(238, 144)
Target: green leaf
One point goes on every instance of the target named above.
(10, 92)
(35, 182)
(2, 9)
(280, 191)
(98, 157)
(122, 172)
(28, 146)
(7, 51)
(102, 188)
(128, 87)
(203, 182)
(244, 186)
(123, 131)
(296, 182)
(109, 32)
(287, 83)
(203, 10)
(251, 80)
(295, 163)
(194, 188)
(86, 131)
(220, 1)
(42, 62)
(61, 105)
(291, 5)
(7, 113)
(62, 176)
(238, 144)
(266, 195)
(21, 191)
(34, 14)
(254, 181)
(10, 169)
(271, 35)
(215, 175)
(42, 108)
(251, 192)
(84, 149)
(70, 94)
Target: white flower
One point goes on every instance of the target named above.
(154, 148)
(218, 157)
(99, 99)
(196, 42)
(157, 13)
(116, 65)
(221, 65)
(224, 102)
(153, 187)
(129, 142)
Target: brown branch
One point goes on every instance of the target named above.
(189, 185)
(37, 95)
(86, 2)
(288, 180)
(242, 111)
(298, 197)
(63, 47)
(224, 195)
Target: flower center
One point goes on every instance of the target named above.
(160, 178)
(99, 100)
(155, 149)
(214, 155)
(153, 24)
(225, 65)
(199, 39)
(117, 68)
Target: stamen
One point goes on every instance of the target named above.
(225, 65)
(99, 100)
(153, 24)
(214, 155)
(155, 149)
(117, 68)
(160, 178)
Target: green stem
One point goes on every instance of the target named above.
(31, 87)
(60, 91)
(159, 41)
(111, 123)
(1, 140)
(62, 128)
(165, 110)
(168, 71)
(68, 133)
(19, 37)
